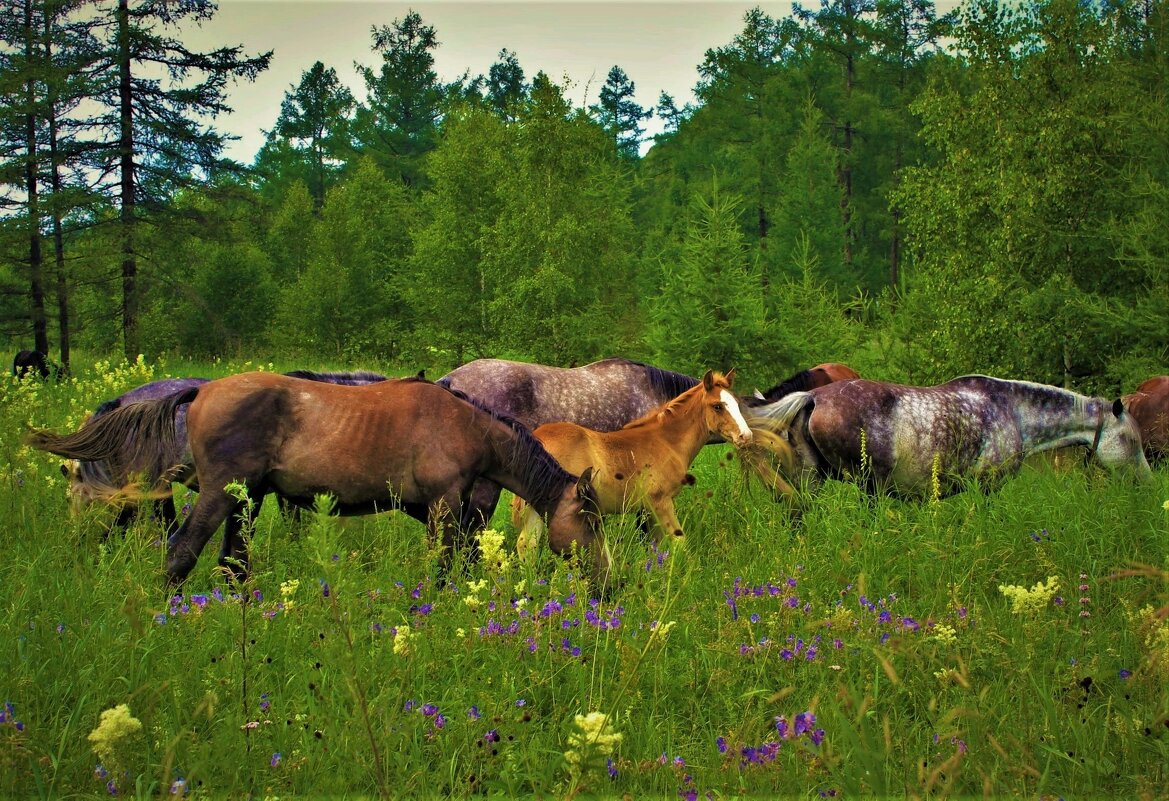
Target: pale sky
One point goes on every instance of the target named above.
(659, 44)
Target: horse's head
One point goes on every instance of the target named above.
(1117, 440)
(81, 494)
(720, 408)
(574, 519)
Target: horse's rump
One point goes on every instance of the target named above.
(1149, 406)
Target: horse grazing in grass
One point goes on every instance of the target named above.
(405, 444)
(31, 361)
(104, 480)
(1149, 406)
(643, 465)
(818, 376)
(906, 438)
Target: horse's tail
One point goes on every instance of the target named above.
(770, 458)
(778, 416)
(138, 439)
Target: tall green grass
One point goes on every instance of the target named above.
(344, 668)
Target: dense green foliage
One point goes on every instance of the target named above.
(925, 194)
(351, 672)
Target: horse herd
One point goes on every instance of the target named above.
(571, 444)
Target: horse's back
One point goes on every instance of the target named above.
(602, 395)
(306, 437)
(571, 445)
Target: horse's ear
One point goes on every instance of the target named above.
(731, 377)
(584, 484)
(65, 470)
(708, 380)
(1118, 408)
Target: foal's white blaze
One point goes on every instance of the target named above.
(733, 407)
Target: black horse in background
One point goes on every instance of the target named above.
(34, 362)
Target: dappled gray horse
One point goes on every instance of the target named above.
(901, 438)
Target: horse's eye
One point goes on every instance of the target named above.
(718, 407)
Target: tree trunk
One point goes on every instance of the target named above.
(58, 232)
(130, 344)
(35, 257)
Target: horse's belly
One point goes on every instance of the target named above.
(349, 482)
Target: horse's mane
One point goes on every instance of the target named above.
(359, 378)
(106, 407)
(800, 382)
(537, 468)
(665, 383)
(671, 406)
(1072, 399)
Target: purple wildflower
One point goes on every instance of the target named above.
(178, 786)
(492, 736)
(721, 744)
(1124, 673)
(473, 713)
(264, 703)
(520, 702)
(612, 768)
(275, 759)
(429, 710)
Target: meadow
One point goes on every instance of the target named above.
(1004, 643)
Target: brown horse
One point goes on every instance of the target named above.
(406, 444)
(1149, 406)
(642, 466)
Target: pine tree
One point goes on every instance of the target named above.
(311, 137)
(619, 114)
(149, 135)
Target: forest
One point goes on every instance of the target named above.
(922, 194)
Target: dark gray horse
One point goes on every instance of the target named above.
(905, 438)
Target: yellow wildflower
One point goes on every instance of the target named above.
(946, 635)
(1030, 602)
(592, 740)
(491, 550)
(113, 735)
(402, 640)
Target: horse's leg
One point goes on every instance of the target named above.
(233, 553)
(529, 528)
(662, 506)
(480, 506)
(126, 514)
(168, 514)
(185, 545)
(443, 515)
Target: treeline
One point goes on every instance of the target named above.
(922, 194)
